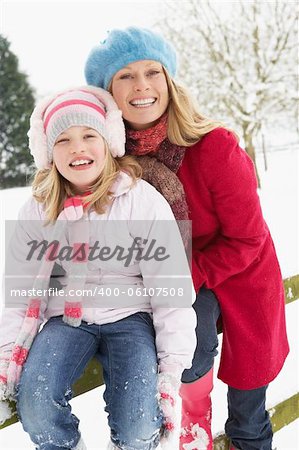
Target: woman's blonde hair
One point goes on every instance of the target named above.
(52, 189)
(186, 125)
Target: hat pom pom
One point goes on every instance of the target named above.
(116, 132)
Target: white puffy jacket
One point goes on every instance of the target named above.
(161, 287)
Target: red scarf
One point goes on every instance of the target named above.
(154, 142)
(160, 160)
(142, 142)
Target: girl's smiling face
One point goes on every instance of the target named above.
(79, 154)
(141, 93)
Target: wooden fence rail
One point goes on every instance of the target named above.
(281, 414)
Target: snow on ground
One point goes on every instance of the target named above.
(279, 198)
(280, 203)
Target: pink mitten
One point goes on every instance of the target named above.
(168, 388)
(5, 411)
(4, 363)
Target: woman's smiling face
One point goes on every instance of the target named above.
(141, 93)
(79, 154)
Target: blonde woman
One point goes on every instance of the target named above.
(199, 167)
(108, 232)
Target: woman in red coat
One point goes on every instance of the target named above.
(198, 166)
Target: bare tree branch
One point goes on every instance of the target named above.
(241, 64)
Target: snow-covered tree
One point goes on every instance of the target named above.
(239, 59)
(16, 105)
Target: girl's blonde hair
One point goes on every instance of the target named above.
(186, 125)
(52, 189)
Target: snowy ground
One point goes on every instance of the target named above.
(279, 197)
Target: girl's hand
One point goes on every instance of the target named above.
(168, 388)
(4, 362)
(2, 390)
(5, 411)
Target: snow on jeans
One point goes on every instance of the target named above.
(58, 356)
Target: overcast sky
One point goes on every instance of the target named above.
(52, 39)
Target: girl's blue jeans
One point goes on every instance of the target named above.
(248, 425)
(59, 354)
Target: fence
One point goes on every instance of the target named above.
(281, 414)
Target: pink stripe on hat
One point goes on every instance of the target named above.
(71, 103)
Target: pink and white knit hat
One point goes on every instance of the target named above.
(83, 106)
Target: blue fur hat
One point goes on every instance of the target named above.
(123, 47)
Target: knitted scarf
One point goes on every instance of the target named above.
(160, 160)
(78, 227)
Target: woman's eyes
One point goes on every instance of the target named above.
(151, 73)
(125, 76)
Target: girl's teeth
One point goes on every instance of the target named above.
(80, 162)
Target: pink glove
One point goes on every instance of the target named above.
(168, 388)
(4, 362)
(5, 411)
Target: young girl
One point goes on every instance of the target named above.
(197, 164)
(112, 235)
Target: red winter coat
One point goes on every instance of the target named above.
(233, 254)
